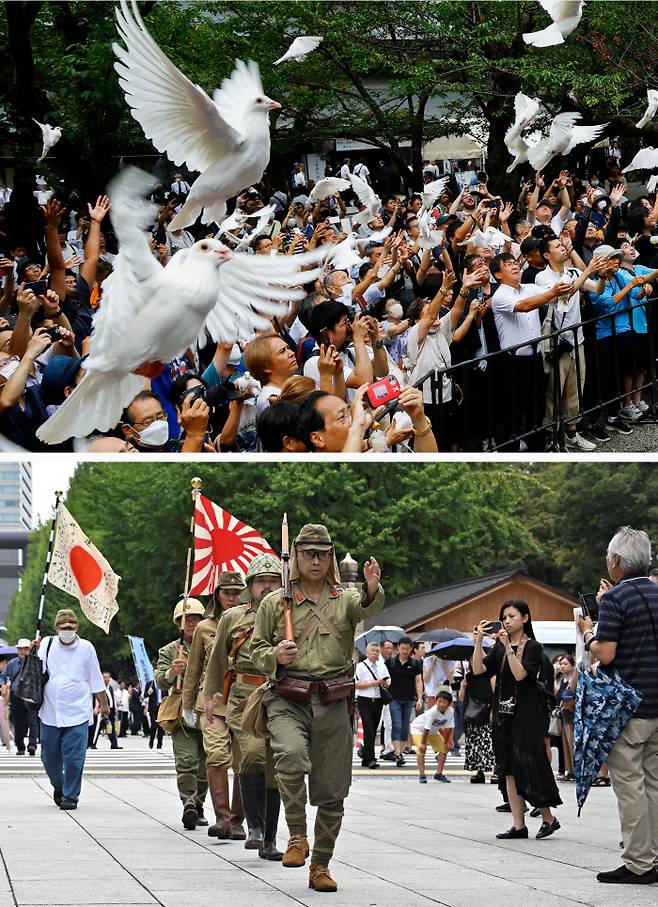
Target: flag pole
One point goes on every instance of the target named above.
(44, 582)
(196, 491)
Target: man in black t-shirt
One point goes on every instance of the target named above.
(406, 689)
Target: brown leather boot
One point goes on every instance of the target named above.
(296, 851)
(237, 813)
(319, 878)
(218, 787)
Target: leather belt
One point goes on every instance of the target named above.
(253, 680)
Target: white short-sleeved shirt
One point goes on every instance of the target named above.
(567, 312)
(433, 354)
(516, 327)
(345, 172)
(434, 721)
(263, 399)
(365, 671)
(311, 369)
(74, 675)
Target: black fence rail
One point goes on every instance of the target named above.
(504, 398)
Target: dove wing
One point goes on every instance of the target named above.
(300, 47)
(561, 131)
(433, 190)
(236, 92)
(137, 276)
(254, 287)
(580, 134)
(175, 114)
(652, 102)
(364, 192)
(561, 11)
(645, 159)
(330, 185)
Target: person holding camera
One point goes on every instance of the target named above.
(371, 677)
(519, 717)
(144, 423)
(567, 352)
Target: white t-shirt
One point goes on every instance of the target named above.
(433, 721)
(365, 671)
(299, 179)
(121, 700)
(433, 354)
(311, 369)
(362, 171)
(74, 674)
(565, 312)
(345, 172)
(516, 327)
(263, 399)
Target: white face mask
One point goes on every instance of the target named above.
(594, 182)
(66, 636)
(395, 311)
(156, 434)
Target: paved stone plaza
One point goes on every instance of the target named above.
(402, 843)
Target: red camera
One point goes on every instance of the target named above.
(384, 391)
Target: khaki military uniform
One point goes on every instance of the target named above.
(312, 739)
(216, 736)
(254, 753)
(189, 753)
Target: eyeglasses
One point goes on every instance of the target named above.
(309, 554)
(151, 419)
(344, 321)
(343, 415)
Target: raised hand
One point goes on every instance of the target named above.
(100, 209)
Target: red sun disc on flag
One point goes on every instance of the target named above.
(85, 568)
(221, 542)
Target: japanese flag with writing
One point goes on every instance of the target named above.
(221, 542)
(78, 567)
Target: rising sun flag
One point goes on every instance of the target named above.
(221, 542)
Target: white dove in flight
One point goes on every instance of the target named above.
(152, 314)
(367, 196)
(431, 191)
(652, 99)
(563, 137)
(300, 48)
(330, 185)
(525, 111)
(566, 15)
(645, 159)
(227, 139)
(50, 136)
(520, 146)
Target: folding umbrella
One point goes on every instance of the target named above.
(378, 634)
(441, 635)
(8, 651)
(459, 649)
(604, 705)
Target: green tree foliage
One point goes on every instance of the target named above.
(372, 78)
(427, 524)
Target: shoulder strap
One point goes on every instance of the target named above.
(314, 621)
(368, 668)
(239, 642)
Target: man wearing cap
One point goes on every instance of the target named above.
(231, 668)
(74, 677)
(187, 740)
(221, 751)
(23, 719)
(60, 378)
(309, 705)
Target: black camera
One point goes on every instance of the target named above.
(54, 333)
(217, 395)
(559, 349)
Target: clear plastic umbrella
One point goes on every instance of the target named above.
(378, 634)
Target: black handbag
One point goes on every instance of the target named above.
(477, 712)
(32, 679)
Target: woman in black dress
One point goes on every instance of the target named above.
(519, 717)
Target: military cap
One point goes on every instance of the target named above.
(65, 616)
(313, 535)
(230, 579)
(193, 606)
(266, 564)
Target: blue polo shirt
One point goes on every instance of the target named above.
(625, 619)
(638, 312)
(604, 304)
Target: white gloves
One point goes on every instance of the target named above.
(190, 717)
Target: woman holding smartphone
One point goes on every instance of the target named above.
(519, 717)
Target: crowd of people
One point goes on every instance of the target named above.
(248, 668)
(486, 294)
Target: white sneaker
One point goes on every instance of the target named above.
(578, 443)
(642, 406)
(630, 413)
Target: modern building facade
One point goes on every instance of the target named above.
(15, 524)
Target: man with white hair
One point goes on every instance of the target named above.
(23, 718)
(626, 641)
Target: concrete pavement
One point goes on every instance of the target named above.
(402, 843)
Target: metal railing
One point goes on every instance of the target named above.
(500, 418)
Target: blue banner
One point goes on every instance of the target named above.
(143, 666)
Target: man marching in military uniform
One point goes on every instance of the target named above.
(221, 752)
(231, 671)
(189, 755)
(308, 708)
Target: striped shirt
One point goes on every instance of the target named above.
(625, 619)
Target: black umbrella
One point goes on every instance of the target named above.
(441, 635)
(459, 649)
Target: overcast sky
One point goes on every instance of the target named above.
(50, 473)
